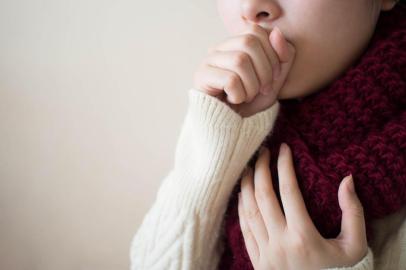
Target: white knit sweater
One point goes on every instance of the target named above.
(182, 228)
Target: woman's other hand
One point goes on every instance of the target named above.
(289, 240)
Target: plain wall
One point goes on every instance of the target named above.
(92, 97)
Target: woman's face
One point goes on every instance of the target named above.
(328, 34)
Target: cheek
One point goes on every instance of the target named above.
(318, 63)
(327, 38)
(322, 53)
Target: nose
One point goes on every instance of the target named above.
(258, 11)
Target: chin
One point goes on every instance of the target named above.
(298, 88)
(291, 90)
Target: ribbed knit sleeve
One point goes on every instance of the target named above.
(182, 228)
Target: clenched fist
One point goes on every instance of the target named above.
(248, 70)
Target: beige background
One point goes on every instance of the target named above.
(92, 97)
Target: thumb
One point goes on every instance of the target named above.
(286, 53)
(353, 232)
(281, 46)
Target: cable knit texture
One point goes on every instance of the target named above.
(356, 124)
(182, 228)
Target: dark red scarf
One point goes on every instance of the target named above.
(357, 124)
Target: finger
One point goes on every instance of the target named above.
(280, 44)
(286, 53)
(238, 62)
(249, 239)
(296, 213)
(251, 210)
(267, 201)
(353, 232)
(215, 81)
(270, 52)
(250, 44)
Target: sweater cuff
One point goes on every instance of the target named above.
(367, 263)
(214, 145)
(253, 131)
(209, 110)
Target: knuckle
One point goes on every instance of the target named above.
(235, 99)
(250, 98)
(255, 89)
(233, 81)
(278, 250)
(253, 213)
(241, 59)
(249, 40)
(298, 244)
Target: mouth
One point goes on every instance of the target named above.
(269, 30)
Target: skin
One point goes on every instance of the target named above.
(309, 44)
(328, 34)
(246, 71)
(289, 239)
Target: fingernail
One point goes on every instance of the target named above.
(350, 183)
(278, 37)
(283, 148)
(278, 30)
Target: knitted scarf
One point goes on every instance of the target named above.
(356, 124)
